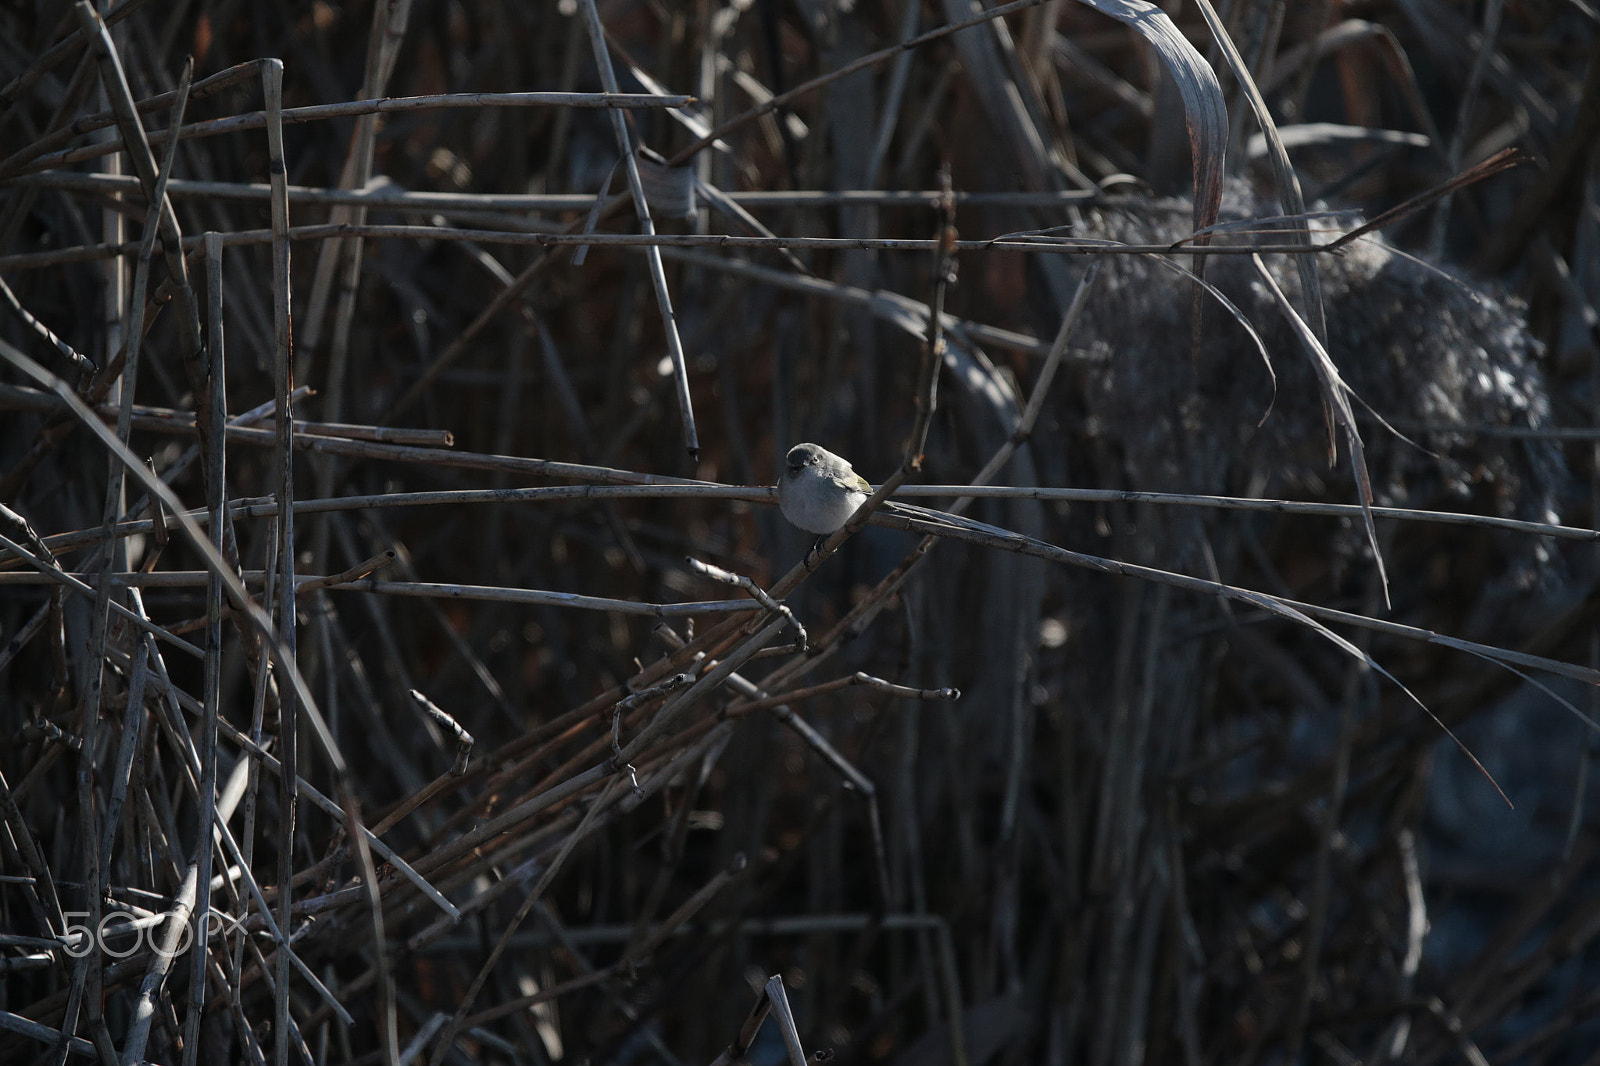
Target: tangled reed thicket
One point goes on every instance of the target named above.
(376, 449)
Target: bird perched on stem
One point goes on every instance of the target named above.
(819, 491)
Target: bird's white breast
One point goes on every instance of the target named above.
(817, 504)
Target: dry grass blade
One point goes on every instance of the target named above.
(214, 463)
(1500, 161)
(284, 549)
(1288, 191)
(1336, 399)
(28, 162)
(245, 238)
(81, 362)
(641, 206)
(1205, 113)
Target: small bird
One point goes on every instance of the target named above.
(819, 491)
